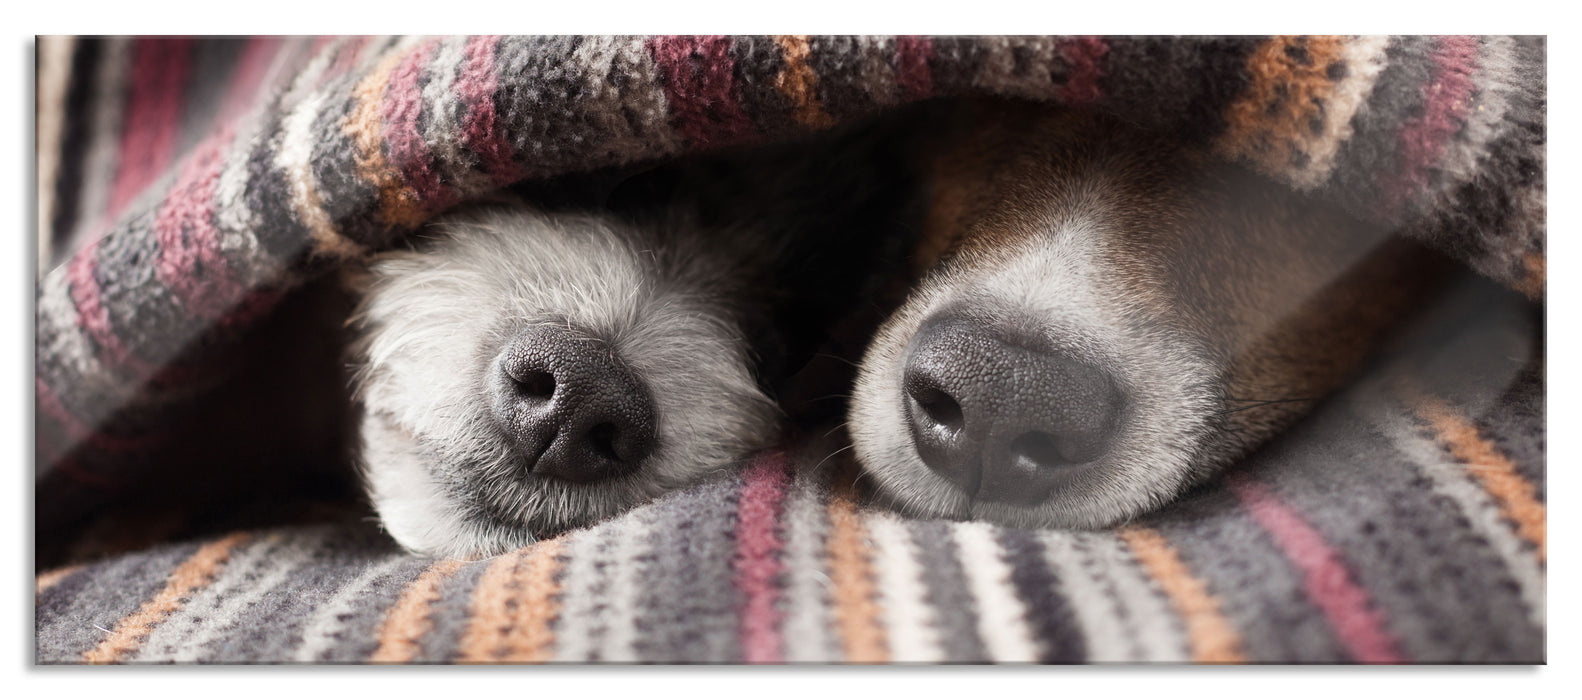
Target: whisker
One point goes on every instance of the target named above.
(836, 357)
(838, 427)
(832, 454)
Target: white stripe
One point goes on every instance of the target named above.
(1002, 621)
(325, 628)
(808, 625)
(584, 594)
(295, 158)
(1103, 630)
(54, 75)
(631, 543)
(248, 576)
(235, 223)
(443, 135)
(71, 343)
(909, 622)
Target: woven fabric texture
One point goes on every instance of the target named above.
(187, 186)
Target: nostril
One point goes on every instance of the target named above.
(601, 440)
(533, 383)
(940, 408)
(1036, 451)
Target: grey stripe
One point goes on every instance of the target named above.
(330, 627)
(1261, 592)
(450, 616)
(1157, 629)
(1093, 598)
(947, 591)
(214, 62)
(78, 613)
(1371, 152)
(1443, 594)
(350, 550)
(200, 629)
(688, 608)
(628, 119)
(1482, 513)
(444, 117)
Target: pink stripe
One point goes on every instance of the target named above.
(148, 136)
(1084, 54)
(345, 58)
(79, 433)
(92, 316)
(1329, 584)
(190, 263)
(248, 77)
(480, 132)
(256, 302)
(1446, 100)
(758, 565)
(912, 54)
(407, 151)
(700, 84)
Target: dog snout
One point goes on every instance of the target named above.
(1005, 421)
(572, 409)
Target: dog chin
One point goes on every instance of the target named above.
(1160, 429)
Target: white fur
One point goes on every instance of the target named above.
(439, 472)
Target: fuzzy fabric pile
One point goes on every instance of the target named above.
(188, 186)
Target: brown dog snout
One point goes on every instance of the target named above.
(573, 412)
(1003, 419)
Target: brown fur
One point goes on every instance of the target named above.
(1286, 295)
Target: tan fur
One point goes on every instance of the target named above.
(1278, 295)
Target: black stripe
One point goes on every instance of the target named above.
(78, 116)
(1048, 612)
(1183, 83)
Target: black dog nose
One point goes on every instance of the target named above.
(573, 410)
(1002, 421)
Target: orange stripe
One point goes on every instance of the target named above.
(397, 204)
(856, 604)
(530, 639)
(798, 82)
(191, 576)
(1212, 638)
(408, 620)
(490, 616)
(1518, 497)
(47, 579)
(1274, 118)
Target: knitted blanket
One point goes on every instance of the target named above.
(187, 186)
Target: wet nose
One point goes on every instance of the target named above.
(572, 409)
(1002, 421)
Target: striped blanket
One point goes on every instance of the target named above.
(188, 186)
